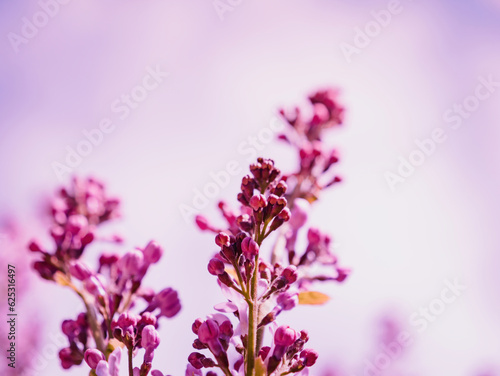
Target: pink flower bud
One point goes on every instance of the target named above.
(342, 274)
(150, 337)
(94, 286)
(208, 331)
(127, 319)
(280, 188)
(285, 214)
(285, 336)
(34, 247)
(195, 359)
(299, 213)
(93, 357)
(287, 300)
(314, 236)
(249, 248)
(309, 357)
(108, 259)
(168, 301)
(202, 222)
(222, 239)
(79, 270)
(196, 325)
(152, 252)
(147, 318)
(258, 201)
(77, 223)
(290, 274)
(131, 262)
(215, 267)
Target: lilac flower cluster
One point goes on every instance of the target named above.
(257, 291)
(112, 293)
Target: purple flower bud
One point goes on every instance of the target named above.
(127, 319)
(45, 269)
(249, 248)
(208, 331)
(226, 329)
(299, 213)
(70, 328)
(304, 335)
(284, 214)
(77, 224)
(79, 270)
(191, 371)
(152, 252)
(108, 259)
(150, 337)
(57, 233)
(94, 286)
(168, 301)
(93, 357)
(34, 247)
(258, 202)
(202, 223)
(342, 274)
(280, 188)
(222, 239)
(285, 336)
(131, 262)
(195, 359)
(215, 266)
(314, 236)
(309, 357)
(69, 357)
(147, 318)
(155, 372)
(196, 325)
(264, 352)
(290, 274)
(287, 300)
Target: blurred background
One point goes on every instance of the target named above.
(181, 86)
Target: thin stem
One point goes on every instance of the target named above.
(92, 319)
(253, 311)
(130, 364)
(226, 371)
(240, 277)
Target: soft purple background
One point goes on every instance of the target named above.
(226, 78)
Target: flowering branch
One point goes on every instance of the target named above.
(258, 291)
(110, 293)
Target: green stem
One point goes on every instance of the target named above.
(130, 364)
(94, 325)
(253, 313)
